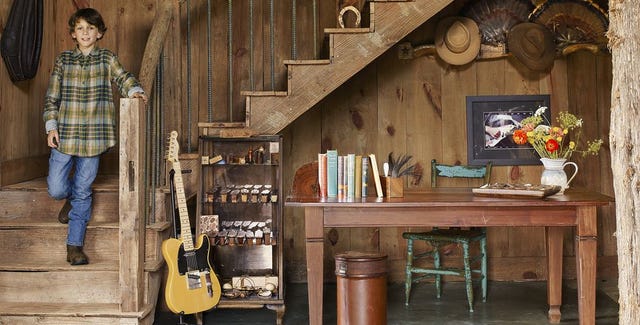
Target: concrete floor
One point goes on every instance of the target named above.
(522, 303)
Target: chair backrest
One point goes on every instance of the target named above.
(459, 171)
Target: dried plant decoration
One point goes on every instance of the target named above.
(400, 167)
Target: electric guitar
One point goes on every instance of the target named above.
(191, 287)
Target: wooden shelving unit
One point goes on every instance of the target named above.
(241, 185)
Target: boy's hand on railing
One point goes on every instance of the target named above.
(140, 95)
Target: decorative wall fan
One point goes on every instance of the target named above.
(496, 17)
(573, 22)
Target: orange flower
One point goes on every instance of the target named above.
(520, 136)
(551, 145)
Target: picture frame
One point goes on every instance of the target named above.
(490, 124)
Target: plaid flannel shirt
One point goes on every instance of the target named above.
(79, 101)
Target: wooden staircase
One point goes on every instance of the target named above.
(38, 286)
(350, 50)
(122, 281)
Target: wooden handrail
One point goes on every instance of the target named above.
(152, 50)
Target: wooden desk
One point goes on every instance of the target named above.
(460, 207)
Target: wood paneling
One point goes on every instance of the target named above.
(410, 121)
(405, 106)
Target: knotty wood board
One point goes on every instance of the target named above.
(607, 243)
(302, 135)
(424, 130)
(394, 89)
(457, 83)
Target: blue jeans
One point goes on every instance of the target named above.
(77, 189)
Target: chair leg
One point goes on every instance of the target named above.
(467, 275)
(408, 273)
(483, 268)
(436, 265)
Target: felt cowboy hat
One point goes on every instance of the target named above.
(457, 40)
(533, 45)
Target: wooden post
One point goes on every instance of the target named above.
(131, 204)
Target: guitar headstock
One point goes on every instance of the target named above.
(174, 147)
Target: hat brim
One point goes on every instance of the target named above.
(449, 56)
(546, 60)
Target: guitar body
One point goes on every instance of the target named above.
(191, 287)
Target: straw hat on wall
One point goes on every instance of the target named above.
(457, 40)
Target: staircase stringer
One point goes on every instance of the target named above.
(350, 53)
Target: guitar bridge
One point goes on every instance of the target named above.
(207, 277)
(193, 280)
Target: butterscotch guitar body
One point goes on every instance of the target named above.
(192, 287)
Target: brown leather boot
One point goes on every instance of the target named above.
(75, 255)
(63, 215)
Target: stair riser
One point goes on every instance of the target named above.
(59, 287)
(30, 246)
(37, 205)
(40, 320)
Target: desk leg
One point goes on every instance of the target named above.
(586, 250)
(554, 272)
(314, 236)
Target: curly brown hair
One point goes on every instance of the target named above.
(91, 16)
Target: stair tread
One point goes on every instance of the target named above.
(21, 223)
(358, 30)
(103, 183)
(62, 309)
(307, 62)
(263, 93)
(59, 264)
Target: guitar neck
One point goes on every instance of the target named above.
(185, 226)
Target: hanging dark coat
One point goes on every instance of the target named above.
(22, 39)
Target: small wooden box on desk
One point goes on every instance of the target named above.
(393, 186)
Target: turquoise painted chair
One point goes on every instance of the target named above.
(439, 238)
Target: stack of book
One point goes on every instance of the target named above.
(346, 176)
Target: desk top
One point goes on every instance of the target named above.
(442, 197)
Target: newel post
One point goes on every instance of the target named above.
(131, 204)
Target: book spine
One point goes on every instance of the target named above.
(340, 177)
(322, 174)
(351, 176)
(365, 176)
(358, 176)
(332, 173)
(376, 175)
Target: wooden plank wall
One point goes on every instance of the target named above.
(23, 149)
(408, 106)
(393, 106)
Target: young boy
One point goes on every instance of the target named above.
(80, 121)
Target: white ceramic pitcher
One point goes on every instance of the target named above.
(554, 173)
